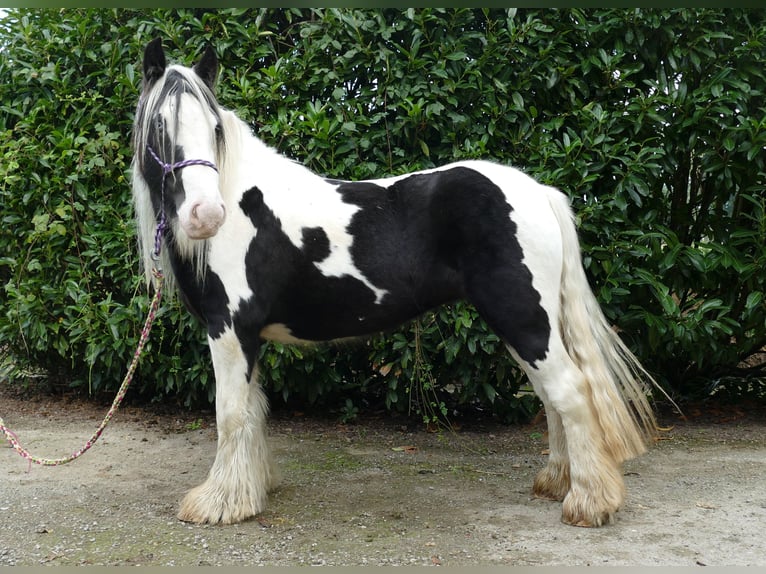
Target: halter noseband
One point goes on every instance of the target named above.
(167, 169)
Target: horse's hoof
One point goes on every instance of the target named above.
(585, 512)
(207, 504)
(591, 522)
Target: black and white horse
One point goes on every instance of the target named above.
(260, 248)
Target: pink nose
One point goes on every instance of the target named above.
(205, 219)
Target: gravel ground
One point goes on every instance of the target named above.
(375, 492)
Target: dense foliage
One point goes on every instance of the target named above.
(653, 121)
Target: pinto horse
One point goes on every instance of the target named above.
(260, 248)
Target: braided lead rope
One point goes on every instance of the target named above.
(13, 439)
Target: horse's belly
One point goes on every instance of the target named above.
(336, 322)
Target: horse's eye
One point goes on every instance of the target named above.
(218, 132)
(159, 123)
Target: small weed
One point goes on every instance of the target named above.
(194, 425)
(348, 412)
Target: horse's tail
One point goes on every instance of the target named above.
(617, 383)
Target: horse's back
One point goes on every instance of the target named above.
(470, 206)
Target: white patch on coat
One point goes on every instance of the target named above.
(226, 256)
(227, 250)
(202, 213)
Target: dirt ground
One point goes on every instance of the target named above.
(376, 492)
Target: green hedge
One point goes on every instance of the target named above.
(652, 120)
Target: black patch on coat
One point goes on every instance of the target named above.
(207, 299)
(316, 245)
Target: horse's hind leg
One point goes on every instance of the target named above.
(580, 470)
(552, 482)
(243, 472)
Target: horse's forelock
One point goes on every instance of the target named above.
(176, 81)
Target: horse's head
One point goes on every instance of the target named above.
(178, 140)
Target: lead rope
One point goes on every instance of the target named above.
(13, 439)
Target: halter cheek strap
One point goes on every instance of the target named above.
(167, 169)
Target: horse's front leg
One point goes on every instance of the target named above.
(243, 472)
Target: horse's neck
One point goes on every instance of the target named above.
(252, 163)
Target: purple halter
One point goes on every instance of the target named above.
(167, 169)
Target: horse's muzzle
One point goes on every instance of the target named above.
(203, 219)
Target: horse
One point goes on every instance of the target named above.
(260, 248)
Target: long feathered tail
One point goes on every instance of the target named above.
(618, 386)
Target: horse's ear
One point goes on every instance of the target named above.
(207, 67)
(154, 61)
